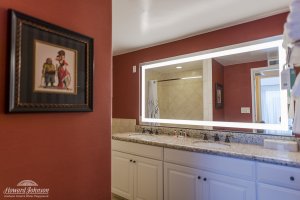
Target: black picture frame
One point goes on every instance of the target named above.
(36, 83)
(219, 96)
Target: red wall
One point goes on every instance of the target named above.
(217, 77)
(126, 84)
(237, 87)
(69, 153)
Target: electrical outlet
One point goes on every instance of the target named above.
(245, 110)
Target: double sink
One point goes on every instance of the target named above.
(179, 139)
(210, 144)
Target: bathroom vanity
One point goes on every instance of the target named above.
(236, 87)
(137, 170)
(171, 168)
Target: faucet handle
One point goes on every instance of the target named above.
(227, 138)
(205, 137)
(151, 131)
(216, 137)
(156, 131)
(180, 132)
(185, 134)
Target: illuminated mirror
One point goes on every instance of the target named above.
(235, 87)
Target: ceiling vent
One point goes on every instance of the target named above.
(273, 62)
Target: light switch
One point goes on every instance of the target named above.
(245, 110)
(133, 69)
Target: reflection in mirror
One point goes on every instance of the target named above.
(266, 96)
(179, 91)
(245, 78)
(240, 89)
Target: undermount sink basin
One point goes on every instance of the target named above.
(211, 144)
(142, 136)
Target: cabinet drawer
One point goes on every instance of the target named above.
(279, 175)
(223, 165)
(271, 192)
(147, 151)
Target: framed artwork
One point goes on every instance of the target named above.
(51, 68)
(219, 96)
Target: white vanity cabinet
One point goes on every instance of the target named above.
(145, 172)
(220, 187)
(182, 183)
(137, 171)
(277, 182)
(196, 176)
(122, 175)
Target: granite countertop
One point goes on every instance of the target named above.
(235, 150)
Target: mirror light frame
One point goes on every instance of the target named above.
(213, 53)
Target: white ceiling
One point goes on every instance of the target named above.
(139, 24)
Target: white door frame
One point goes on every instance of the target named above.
(253, 86)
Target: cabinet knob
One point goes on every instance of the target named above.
(134, 161)
(130, 160)
(204, 179)
(199, 177)
(292, 178)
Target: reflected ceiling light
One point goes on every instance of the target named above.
(191, 77)
(178, 67)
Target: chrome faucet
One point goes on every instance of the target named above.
(180, 132)
(216, 137)
(227, 140)
(150, 131)
(205, 136)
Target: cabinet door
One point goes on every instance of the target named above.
(148, 179)
(182, 183)
(219, 187)
(276, 193)
(122, 175)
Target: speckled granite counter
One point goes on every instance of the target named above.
(236, 150)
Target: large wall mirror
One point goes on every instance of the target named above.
(238, 86)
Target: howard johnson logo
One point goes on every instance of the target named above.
(26, 189)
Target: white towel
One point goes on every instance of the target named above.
(291, 107)
(291, 35)
(296, 87)
(296, 124)
(292, 31)
(296, 96)
(295, 56)
(293, 21)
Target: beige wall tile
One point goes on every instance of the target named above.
(123, 125)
